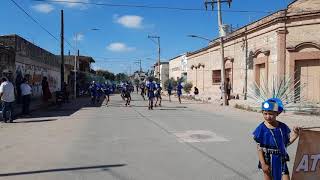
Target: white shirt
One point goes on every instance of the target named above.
(25, 89)
(8, 91)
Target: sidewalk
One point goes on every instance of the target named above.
(38, 108)
(290, 118)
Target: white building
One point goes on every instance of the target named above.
(164, 72)
(178, 67)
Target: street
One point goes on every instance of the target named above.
(175, 141)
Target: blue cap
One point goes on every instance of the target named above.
(272, 104)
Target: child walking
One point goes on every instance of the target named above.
(169, 91)
(158, 94)
(151, 88)
(179, 91)
(272, 138)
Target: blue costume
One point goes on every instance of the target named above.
(93, 90)
(151, 88)
(273, 142)
(123, 89)
(158, 91)
(107, 90)
(127, 91)
(179, 89)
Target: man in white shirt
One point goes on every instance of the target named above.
(26, 92)
(7, 99)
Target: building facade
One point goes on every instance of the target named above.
(178, 67)
(33, 63)
(164, 72)
(283, 44)
(84, 75)
(7, 65)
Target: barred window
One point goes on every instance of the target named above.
(216, 76)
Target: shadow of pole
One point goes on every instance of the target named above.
(103, 167)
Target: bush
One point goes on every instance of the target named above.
(187, 87)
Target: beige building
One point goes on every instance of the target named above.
(286, 43)
(178, 67)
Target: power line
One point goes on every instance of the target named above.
(34, 20)
(146, 6)
(39, 24)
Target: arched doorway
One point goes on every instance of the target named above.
(304, 65)
(260, 67)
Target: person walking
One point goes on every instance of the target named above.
(66, 92)
(179, 91)
(228, 88)
(127, 94)
(151, 88)
(93, 92)
(107, 91)
(158, 95)
(142, 89)
(26, 92)
(169, 89)
(7, 99)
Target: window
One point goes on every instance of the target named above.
(216, 76)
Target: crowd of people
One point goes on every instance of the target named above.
(149, 90)
(8, 94)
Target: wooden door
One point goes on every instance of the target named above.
(262, 77)
(308, 72)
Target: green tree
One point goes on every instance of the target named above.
(121, 77)
(106, 74)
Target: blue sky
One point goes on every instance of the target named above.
(122, 36)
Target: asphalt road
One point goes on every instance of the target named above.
(172, 142)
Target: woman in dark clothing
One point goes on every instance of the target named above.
(46, 94)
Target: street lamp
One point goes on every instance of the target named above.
(158, 43)
(75, 59)
(200, 37)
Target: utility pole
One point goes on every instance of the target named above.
(246, 64)
(158, 43)
(75, 77)
(139, 62)
(159, 60)
(223, 85)
(76, 59)
(75, 67)
(62, 52)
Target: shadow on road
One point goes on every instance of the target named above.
(36, 121)
(65, 109)
(102, 167)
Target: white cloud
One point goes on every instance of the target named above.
(79, 37)
(129, 21)
(119, 47)
(74, 3)
(43, 8)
